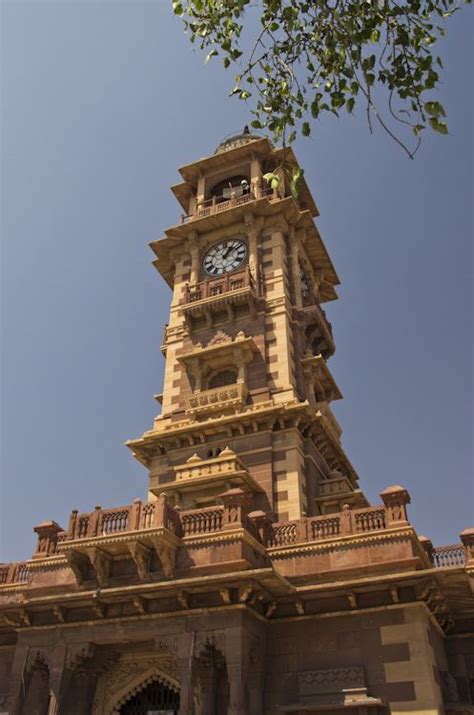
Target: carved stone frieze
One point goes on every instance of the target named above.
(332, 681)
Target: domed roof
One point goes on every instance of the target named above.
(237, 139)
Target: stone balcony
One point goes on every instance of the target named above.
(152, 545)
(210, 298)
(216, 205)
(317, 328)
(200, 479)
(229, 399)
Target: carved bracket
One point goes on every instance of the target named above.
(141, 556)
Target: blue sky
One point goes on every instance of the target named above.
(102, 101)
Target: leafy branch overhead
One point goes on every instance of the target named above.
(312, 56)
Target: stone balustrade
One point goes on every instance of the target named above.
(215, 287)
(14, 573)
(202, 521)
(345, 523)
(231, 514)
(451, 555)
(226, 463)
(213, 206)
(220, 398)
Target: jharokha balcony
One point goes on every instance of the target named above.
(216, 204)
(229, 399)
(224, 295)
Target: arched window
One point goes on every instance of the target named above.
(222, 378)
(231, 187)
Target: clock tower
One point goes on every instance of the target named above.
(247, 390)
(254, 579)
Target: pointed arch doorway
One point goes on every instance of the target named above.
(156, 698)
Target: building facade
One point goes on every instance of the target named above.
(256, 578)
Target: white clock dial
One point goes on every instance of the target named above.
(224, 257)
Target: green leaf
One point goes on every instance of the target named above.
(210, 55)
(315, 108)
(295, 180)
(350, 104)
(177, 7)
(440, 127)
(306, 129)
(272, 179)
(435, 109)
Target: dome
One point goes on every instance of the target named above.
(237, 139)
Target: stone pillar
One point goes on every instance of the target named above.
(192, 247)
(47, 538)
(235, 508)
(58, 680)
(207, 679)
(253, 226)
(295, 266)
(427, 545)
(395, 500)
(467, 538)
(234, 655)
(183, 650)
(37, 698)
(201, 190)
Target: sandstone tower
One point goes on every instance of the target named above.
(255, 578)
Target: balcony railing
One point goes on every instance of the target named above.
(318, 528)
(214, 205)
(202, 521)
(133, 517)
(452, 555)
(219, 399)
(223, 465)
(214, 287)
(14, 573)
(232, 514)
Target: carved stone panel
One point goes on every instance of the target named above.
(333, 685)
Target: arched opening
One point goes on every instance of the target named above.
(156, 697)
(222, 378)
(230, 188)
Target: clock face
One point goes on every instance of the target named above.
(225, 257)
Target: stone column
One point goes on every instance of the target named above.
(295, 266)
(58, 679)
(192, 246)
(253, 227)
(18, 676)
(234, 656)
(183, 650)
(207, 679)
(37, 699)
